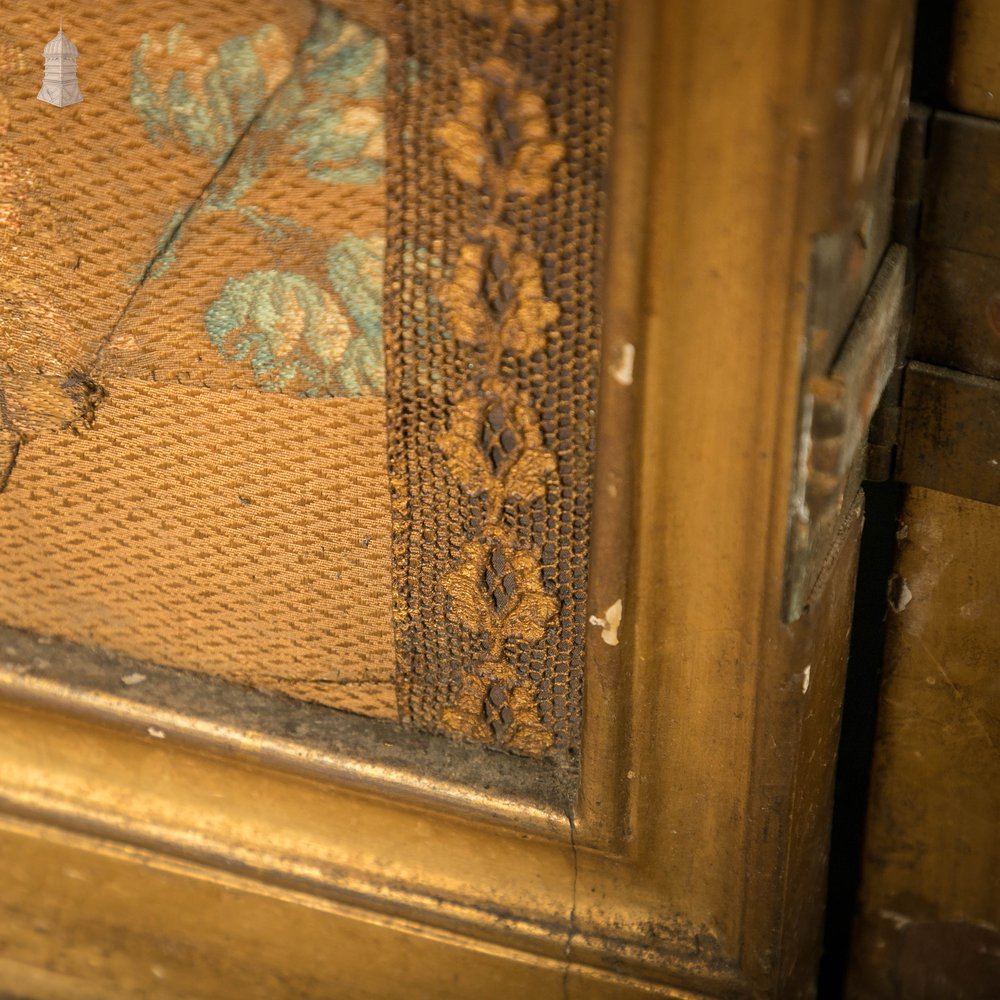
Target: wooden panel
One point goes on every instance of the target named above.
(930, 906)
(974, 76)
(819, 686)
(957, 320)
(962, 194)
(950, 432)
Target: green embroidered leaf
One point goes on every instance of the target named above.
(291, 331)
(205, 99)
(337, 125)
(355, 267)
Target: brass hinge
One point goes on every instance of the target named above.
(913, 394)
(835, 415)
(911, 170)
(850, 434)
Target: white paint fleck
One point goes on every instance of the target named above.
(799, 505)
(623, 371)
(129, 679)
(609, 623)
(630, 775)
(897, 919)
(972, 609)
(900, 594)
(158, 734)
(806, 675)
(158, 971)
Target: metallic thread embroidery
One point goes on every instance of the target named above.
(496, 289)
(498, 124)
(500, 144)
(494, 445)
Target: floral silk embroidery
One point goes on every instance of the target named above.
(324, 108)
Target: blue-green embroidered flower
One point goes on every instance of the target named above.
(205, 99)
(355, 267)
(290, 329)
(299, 338)
(336, 122)
(328, 112)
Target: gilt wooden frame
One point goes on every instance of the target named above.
(692, 859)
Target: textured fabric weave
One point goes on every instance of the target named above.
(191, 368)
(213, 530)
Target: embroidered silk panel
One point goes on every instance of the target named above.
(299, 333)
